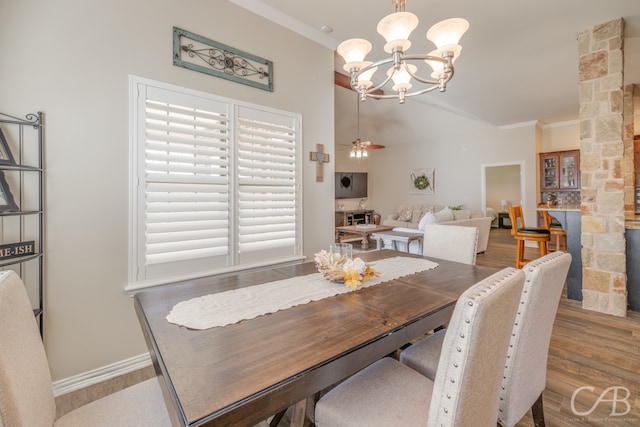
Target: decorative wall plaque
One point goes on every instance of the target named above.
(200, 54)
(14, 250)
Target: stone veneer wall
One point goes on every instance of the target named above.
(604, 279)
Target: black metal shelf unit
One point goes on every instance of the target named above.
(22, 204)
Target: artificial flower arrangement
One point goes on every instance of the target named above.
(344, 269)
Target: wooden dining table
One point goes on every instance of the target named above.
(243, 373)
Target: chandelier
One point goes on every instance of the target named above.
(396, 28)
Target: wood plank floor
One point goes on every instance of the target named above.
(587, 349)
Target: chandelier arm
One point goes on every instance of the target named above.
(375, 88)
(355, 73)
(407, 95)
(419, 57)
(420, 92)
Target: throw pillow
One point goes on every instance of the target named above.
(444, 215)
(416, 216)
(461, 214)
(427, 218)
(405, 214)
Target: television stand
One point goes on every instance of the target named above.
(354, 217)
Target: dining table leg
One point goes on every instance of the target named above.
(299, 413)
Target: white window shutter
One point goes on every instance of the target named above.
(267, 184)
(217, 185)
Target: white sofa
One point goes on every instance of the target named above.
(421, 215)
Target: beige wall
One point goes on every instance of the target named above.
(560, 137)
(71, 59)
(455, 146)
(503, 183)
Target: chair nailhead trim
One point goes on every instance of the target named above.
(455, 365)
(470, 303)
(459, 349)
(461, 334)
(467, 321)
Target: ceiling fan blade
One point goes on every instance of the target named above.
(371, 146)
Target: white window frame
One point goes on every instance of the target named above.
(242, 172)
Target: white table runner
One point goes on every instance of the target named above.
(225, 308)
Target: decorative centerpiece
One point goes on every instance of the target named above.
(338, 266)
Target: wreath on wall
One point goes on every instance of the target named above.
(422, 181)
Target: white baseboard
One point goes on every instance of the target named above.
(99, 375)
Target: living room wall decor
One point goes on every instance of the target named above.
(422, 181)
(200, 54)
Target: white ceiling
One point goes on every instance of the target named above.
(519, 61)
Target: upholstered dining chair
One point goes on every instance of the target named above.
(450, 242)
(387, 393)
(556, 231)
(526, 363)
(26, 392)
(522, 233)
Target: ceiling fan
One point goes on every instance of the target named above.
(360, 147)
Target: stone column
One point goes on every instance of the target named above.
(629, 161)
(604, 284)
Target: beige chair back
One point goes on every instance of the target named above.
(450, 242)
(465, 391)
(26, 393)
(526, 364)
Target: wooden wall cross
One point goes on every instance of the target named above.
(320, 157)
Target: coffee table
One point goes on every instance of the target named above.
(405, 237)
(363, 230)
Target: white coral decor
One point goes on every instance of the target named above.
(356, 264)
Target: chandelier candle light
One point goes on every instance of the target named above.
(396, 28)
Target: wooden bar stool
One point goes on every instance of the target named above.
(555, 230)
(522, 233)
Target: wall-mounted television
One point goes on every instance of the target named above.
(351, 185)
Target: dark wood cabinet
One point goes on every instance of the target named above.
(560, 171)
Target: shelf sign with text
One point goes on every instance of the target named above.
(13, 250)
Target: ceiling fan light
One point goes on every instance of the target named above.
(365, 153)
(354, 51)
(396, 28)
(447, 32)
